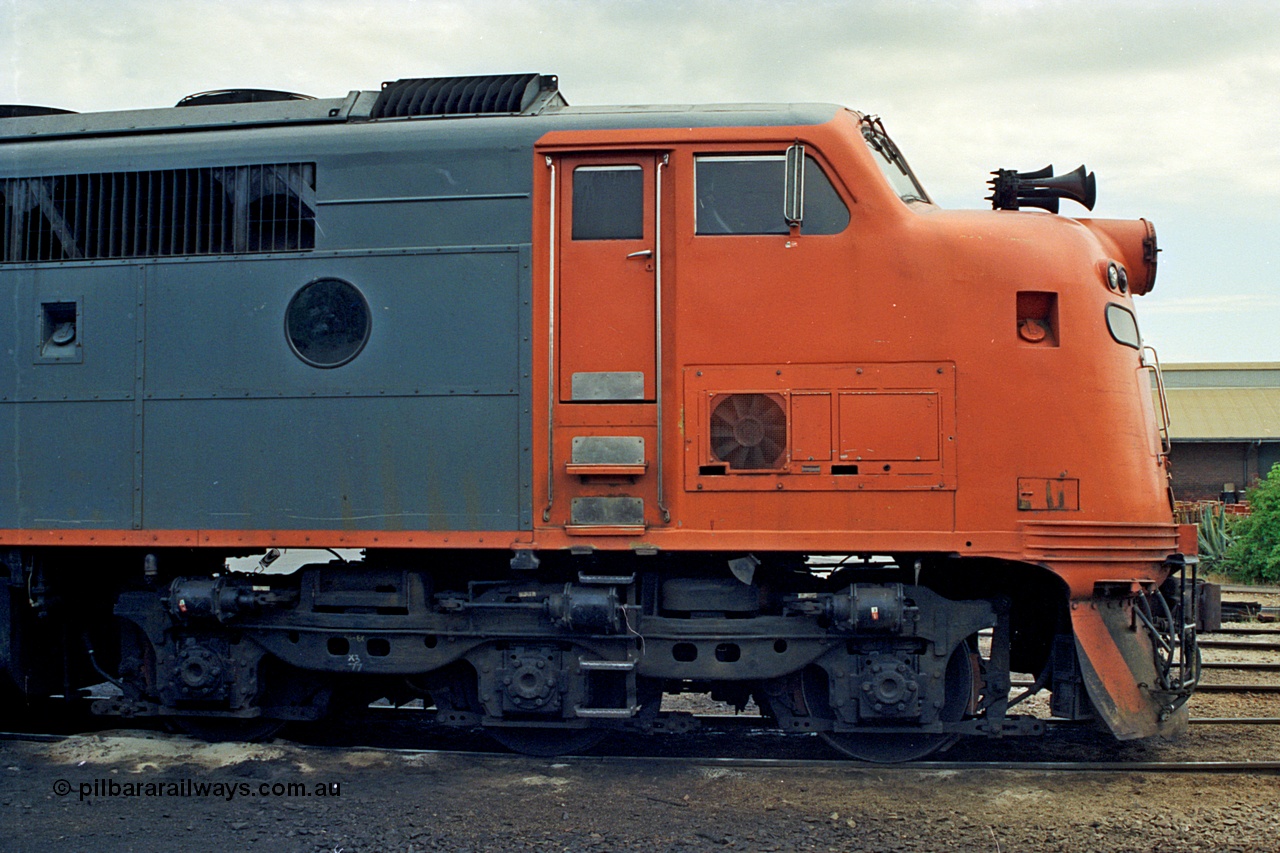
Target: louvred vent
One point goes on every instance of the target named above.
(749, 431)
(501, 94)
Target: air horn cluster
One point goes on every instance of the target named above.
(1011, 189)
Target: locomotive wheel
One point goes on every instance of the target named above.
(456, 690)
(549, 741)
(895, 748)
(546, 742)
(217, 729)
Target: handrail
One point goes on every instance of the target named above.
(657, 331)
(1154, 367)
(551, 348)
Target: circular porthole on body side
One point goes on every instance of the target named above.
(327, 322)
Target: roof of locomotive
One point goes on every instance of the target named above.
(357, 107)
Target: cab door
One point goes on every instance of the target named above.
(606, 279)
(606, 457)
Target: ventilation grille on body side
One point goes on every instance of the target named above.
(499, 94)
(208, 211)
(749, 431)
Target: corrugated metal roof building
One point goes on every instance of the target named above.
(1224, 425)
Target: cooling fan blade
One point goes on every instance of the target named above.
(749, 431)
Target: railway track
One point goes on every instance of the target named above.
(1193, 766)
(1253, 590)
(1242, 645)
(710, 723)
(1240, 667)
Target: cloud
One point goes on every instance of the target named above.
(1218, 303)
(1162, 98)
(1174, 104)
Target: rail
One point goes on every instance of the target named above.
(1154, 367)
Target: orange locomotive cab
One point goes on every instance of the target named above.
(864, 374)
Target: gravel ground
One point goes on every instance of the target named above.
(152, 793)
(421, 802)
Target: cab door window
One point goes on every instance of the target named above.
(744, 194)
(608, 203)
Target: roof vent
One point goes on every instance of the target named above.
(23, 110)
(239, 96)
(499, 94)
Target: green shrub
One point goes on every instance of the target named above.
(1254, 553)
(1214, 535)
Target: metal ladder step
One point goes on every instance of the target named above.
(607, 665)
(606, 580)
(607, 713)
(627, 666)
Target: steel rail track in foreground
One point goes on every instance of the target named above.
(1241, 666)
(34, 737)
(1250, 645)
(1219, 666)
(1262, 590)
(846, 765)
(707, 723)
(1260, 767)
(1263, 767)
(727, 722)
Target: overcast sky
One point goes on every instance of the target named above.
(1175, 105)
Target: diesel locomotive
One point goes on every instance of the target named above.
(582, 406)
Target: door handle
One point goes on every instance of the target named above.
(643, 253)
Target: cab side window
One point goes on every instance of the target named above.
(743, 194)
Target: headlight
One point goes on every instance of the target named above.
(1116, 277)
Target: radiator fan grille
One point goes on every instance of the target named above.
(749, 431)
